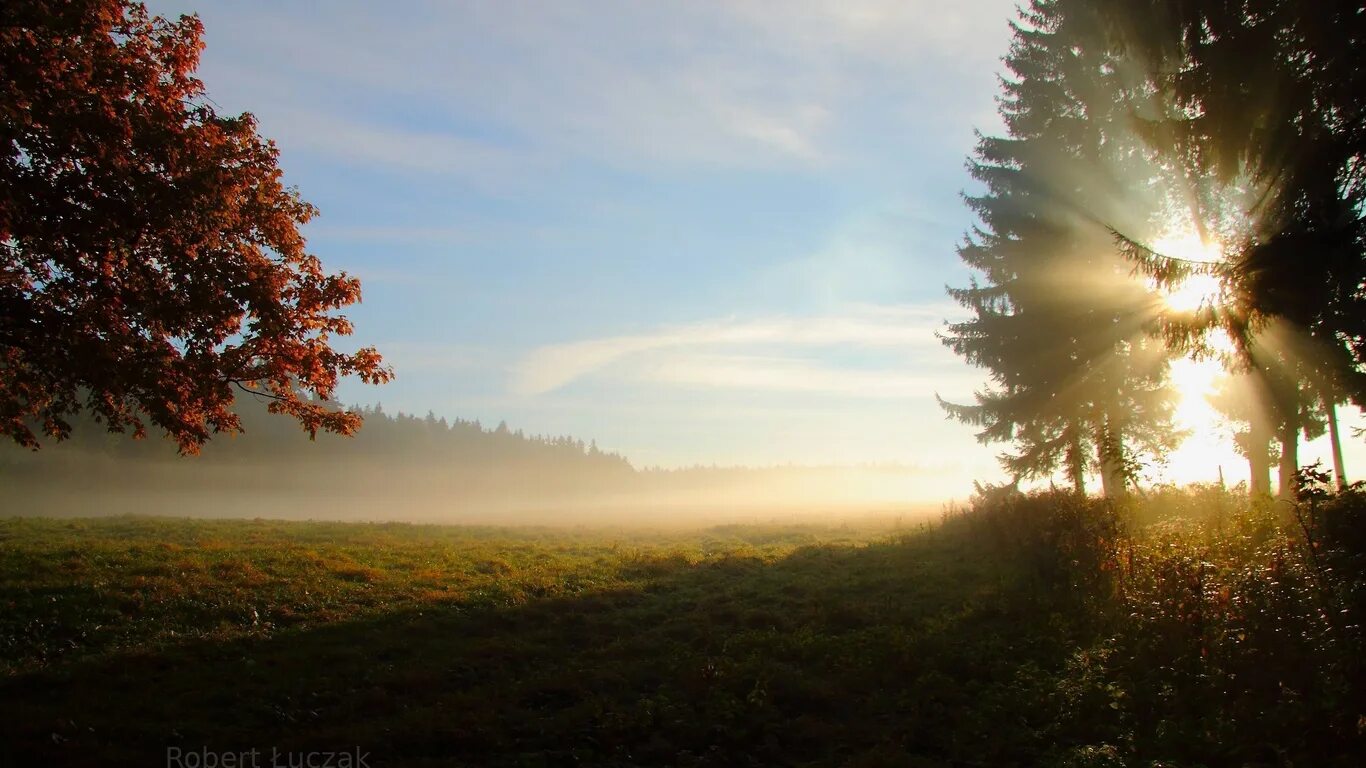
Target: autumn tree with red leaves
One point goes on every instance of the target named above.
(151, 265)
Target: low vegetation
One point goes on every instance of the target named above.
(1183, 628)
(1218, 631)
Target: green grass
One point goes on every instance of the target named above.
(1186, 628)
(740, 645)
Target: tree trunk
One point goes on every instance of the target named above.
(1108, 482)
(1257, 462)
(1290, 459)
(1076, 462)
(1109, 450)
(1336, 439)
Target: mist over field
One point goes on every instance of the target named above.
(402, 468)
(375, 492)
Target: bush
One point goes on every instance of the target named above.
(1061, 539)
(1221, 631)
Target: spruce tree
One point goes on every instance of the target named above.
(1056, 316)
(1267, 99)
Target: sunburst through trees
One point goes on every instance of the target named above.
(1229, 287)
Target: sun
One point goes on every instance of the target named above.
(1185, 244)
(1193, 293)
(1206, 453)
(1200, 289)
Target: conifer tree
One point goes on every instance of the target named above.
(1057, 318)
(1267, 99)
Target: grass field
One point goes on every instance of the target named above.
(1029, 631)
(753, 645)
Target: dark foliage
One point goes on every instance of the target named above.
(1221, 631)
(1056, 320)
(151, 264)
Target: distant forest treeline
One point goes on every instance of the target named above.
(398, 466)
(384, 435)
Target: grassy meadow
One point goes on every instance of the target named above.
(1026, 630)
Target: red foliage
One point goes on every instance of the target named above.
(150, 257)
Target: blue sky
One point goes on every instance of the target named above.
(696, 232)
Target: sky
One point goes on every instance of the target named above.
(695, 232)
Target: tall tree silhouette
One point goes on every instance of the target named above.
(1057, 319)
(1267, 98)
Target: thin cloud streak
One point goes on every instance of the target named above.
(396, 149)
(551, 367)
(793, 375)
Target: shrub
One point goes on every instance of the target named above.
(1061, 539)
(1217, 630)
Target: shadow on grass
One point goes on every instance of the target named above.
(909, 653)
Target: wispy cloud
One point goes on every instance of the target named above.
(640, 86)
(889, 32)
(393, 233)
(796, 132)
(417, 357)
(778, 374)
(714, 354)
(349, 141)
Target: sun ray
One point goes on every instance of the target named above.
(1207, 450)
(1197, 290)
(1193, 293)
